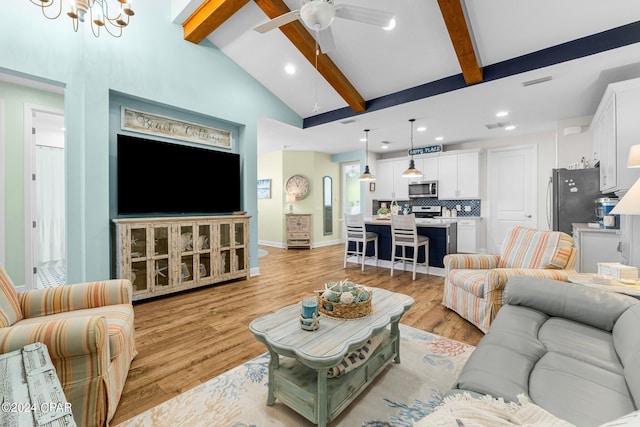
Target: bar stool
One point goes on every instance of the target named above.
(357, 234)
(404, 234)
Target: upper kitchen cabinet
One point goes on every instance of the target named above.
(428, 166)
(390, 185)
(615, 128)
(459, 175)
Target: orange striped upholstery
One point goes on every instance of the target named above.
(10, 311)
(474, 283)
(88, 329)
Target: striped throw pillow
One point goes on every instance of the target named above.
(10, 311)
(529, 248)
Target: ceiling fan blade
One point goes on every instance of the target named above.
(325, 40)
(278, 21)
(379, 18)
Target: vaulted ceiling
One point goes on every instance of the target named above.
(451, 64)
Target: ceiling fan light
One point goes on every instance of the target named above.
(317, 15)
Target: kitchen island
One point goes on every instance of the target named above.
(442, 241)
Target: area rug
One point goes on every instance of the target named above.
(399, 397)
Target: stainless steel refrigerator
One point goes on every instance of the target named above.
(572, 197)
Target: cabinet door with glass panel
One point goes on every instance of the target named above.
(232, 247)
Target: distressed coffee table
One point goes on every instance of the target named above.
(299, 380)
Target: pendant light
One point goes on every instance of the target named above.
(412, 172)
(367, 175)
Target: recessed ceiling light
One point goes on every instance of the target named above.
(384, 147)
(421, 128)
(502, 114)
(391, 26)
(363, 139)
(290, 69)
(384, 144)
(439, 138)
(510, 127)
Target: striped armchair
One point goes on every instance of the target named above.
(88, 330)
(474, 284)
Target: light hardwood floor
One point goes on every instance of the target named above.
(188, 338)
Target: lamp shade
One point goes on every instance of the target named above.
(634, 157)
(630, 202)
(367, 175)
(291, 198)
(412, 172)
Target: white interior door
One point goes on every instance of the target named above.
(44, 197)
(512, 191)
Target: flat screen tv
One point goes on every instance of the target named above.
(161, 178)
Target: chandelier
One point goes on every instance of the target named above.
(112, 15)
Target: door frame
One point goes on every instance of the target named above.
(29, 189)
(491, 152)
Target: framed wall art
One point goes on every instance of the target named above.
(264, 189)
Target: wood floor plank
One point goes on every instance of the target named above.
(188, 338)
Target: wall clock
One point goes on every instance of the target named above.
(298, 185)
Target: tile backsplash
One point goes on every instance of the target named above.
(474, 204)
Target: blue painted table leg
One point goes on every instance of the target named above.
(322, 398)
(274, 364)
(395, 332)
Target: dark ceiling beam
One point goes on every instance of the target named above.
(306, 44)
(209, 16)
(454, 19)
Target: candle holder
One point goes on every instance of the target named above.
(309, 317)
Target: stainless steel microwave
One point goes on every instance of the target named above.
(423, 189)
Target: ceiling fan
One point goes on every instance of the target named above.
(317, 15)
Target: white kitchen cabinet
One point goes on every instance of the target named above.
(459, 175)
(468, 235)
(595, 245)
(428, 166)
(390, 185)
(615, 128)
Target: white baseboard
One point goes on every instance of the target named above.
(255, 271)
(327, 243)
(271, 244)
(434, 271)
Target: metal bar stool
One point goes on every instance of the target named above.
(357, 234)
(404, 234)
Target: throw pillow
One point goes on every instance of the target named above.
(464, 410)
(10, 311)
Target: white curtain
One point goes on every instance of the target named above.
(50, 204)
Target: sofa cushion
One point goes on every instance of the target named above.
(471, 281)
(568, 300)
(627, 343)
(579, 392)
(119, 324)
(529, 248)
(10, 311)
(582, 342)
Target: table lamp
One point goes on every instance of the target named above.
(630, 202)
(291, 198)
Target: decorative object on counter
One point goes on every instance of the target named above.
(412, 172)
(344, 300)
(309, 317)
(603, 212)
(384, 212)
(367, 175)
(406, 210)
(395, 209)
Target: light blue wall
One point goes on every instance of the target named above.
(150, 61)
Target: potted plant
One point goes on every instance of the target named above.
(384, 212)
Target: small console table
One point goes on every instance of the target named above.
(299, 380)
